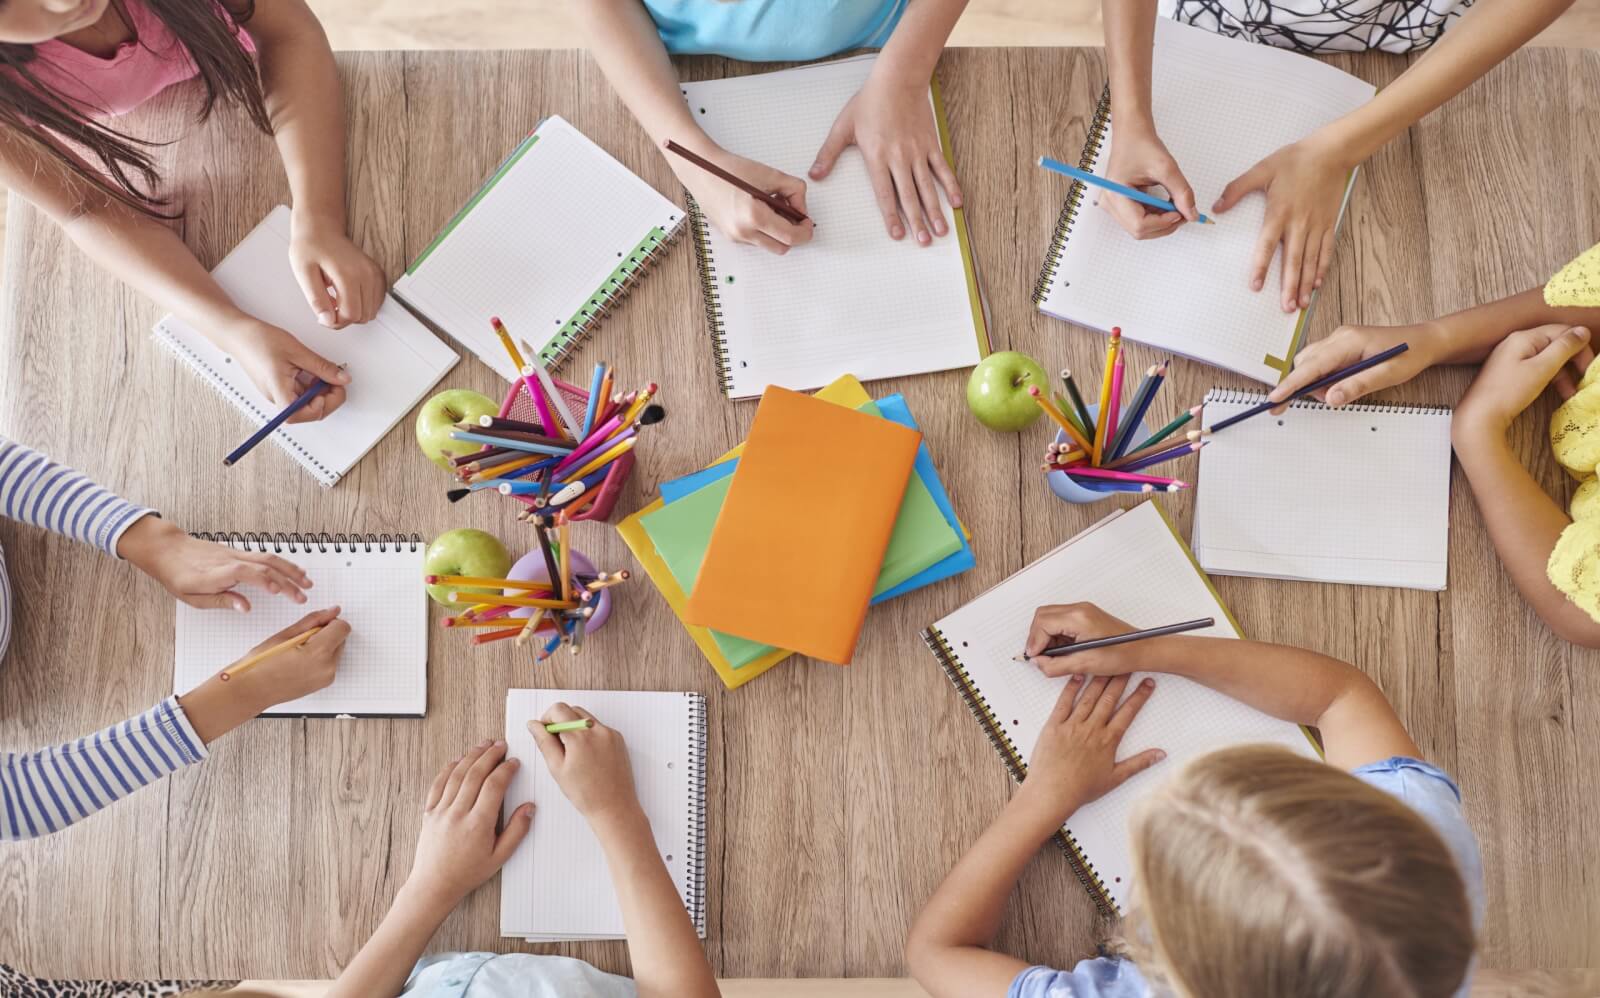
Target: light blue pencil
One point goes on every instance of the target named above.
(594, 399)
(1113, 186)
(524, 445)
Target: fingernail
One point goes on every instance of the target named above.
(1317, 284)
(897, 232)
(527, 807)
(1305, 301)
(939, 228)
(498, 743)
(484, 743)
(1148, 684)
(1582, 332)
(1160, 755)
(513, 761)
(955, 202)
(1255, 285)
(326, 318)
(1335, 398)
(923, 238)
(816, 168)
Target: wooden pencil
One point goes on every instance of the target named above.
(1136, 409)
(1058, 416)
(776, 202)
(566, 563)
(1113, 418)
(1169, 429)
(1118, 639)
(235, 671)
(536, 602)
(1077, 402)
(1105, 396)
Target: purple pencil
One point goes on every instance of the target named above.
(1166, 455)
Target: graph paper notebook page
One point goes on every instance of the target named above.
(393, 360)
(1373, 481)
(550, 243)
(384, 667)
(556, 885)
(1135, 568)
(1220, 105)
(850, 300)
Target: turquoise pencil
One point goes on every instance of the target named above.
(1111, 185)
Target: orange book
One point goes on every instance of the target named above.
(797, 549)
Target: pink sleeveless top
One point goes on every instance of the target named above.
(142, 67)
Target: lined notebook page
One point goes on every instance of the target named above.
(1134, 568)
(1220, 105)
(1358, 495)
(556, 885)
(536, 245)
(384, 667)
(393, 360)
(852, 299)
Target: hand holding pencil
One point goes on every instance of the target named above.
(1085, 623)
(298, 660)
(740, 208)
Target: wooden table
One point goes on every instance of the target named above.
(840, 796)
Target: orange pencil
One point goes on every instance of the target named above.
(566, 564)
(483, 639)
(1057, 415)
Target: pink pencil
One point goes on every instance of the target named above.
(1114, 406)
(1121, 476)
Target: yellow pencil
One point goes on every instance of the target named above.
(457, 622)
(605, 458)
(632, 412)
(477, 580)
(1060, 418)
(234, 671)
(1100, 419)
(501, 470)
(533, 601)
(566, 564)
(506, 341)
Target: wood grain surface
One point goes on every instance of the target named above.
(840, 796)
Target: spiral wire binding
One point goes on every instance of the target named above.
(606, 297)
(712, 297)
(322, 543)
(696, 900)
(1238, 396)
(978, 706)
(220, 385)
(1074, 201)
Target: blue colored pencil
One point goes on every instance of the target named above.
(594, 400)
(1116, 188)
(1166, 455)
(1141, 404)
(531, 448)
(276, 421)
(1322, 382)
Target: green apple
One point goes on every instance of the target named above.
(438, 417)
(465, 552)
(997, 392)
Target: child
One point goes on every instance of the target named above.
(1304, 182)
(67, 69)
(459, 849)
(1258, 872)
(47, 790)
(890, 118)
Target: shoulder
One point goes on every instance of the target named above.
(1100, 977)
(1429, 790)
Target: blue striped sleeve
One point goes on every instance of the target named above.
(47, 790)
(36, 490)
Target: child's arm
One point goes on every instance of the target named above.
(624, 41)
(1358, 726)
(1073, 763)
(1524, 522)
(458, 849)
(591, 767)
(1304, 182)
(893, 123)
(305, 102)
(1464, 337)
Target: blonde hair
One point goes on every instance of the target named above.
(1261, 872)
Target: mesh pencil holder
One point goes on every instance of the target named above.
(518, 406)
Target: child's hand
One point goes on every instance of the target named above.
(892, 121)
(590, 766)
(1304, 183)
(1517, 371)
(1058, 625)
(323, 257)
(736, 214)
(203, 574)
(282, 367)
(1075, 759)
(1349, 344)
(294, 672)
(1140, 159)
(459, 847)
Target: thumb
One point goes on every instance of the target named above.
(307, 359)
(218, 601)
(1356, 386)
(838, 141)
(513, 833)
(1561, 349)
(1179, 191)
(1253, 179)
(1132, 766)
(314, 284)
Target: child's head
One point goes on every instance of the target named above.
(1261, 872)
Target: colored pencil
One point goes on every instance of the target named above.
(1141, 404)
(1168, 430)
(1113, 417)
(776, 202)
(1111, 185)
(235, 671)
(506, 455)
(1059, 417)
(1317, 385)
(549, 556)
(603, 458)
(520, 425)
(559, 404)
(1182, 450)
(456, 623)
(483, 639)
(537, 602)
(559, 726)
(606, 582)
(1068, 411)
(272, 424)
(640, 400)
(1122, 639)
(522, 445)
(587, 448)
(518, 363)
(1077, 454)
(566, 564)
(1077, 402)
(1105, 395)
(461, 460)
(491, 427)
(1106, 474)
(593, 404)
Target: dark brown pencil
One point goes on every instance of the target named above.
(478, 455)
(549, 556)
(491, 423)
(518, 435)
(776, 202)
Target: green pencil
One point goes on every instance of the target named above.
(1077, 402)
(1165, 431)
(560, 726)
(1072, 417)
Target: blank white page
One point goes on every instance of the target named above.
(1220, 104)
(852, 300)
(538, 244)
(1358, 495)
(556, 885)
(393, 360)
(1134, 567)
(376, 582)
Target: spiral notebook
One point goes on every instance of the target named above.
(383, 670)
(556, 886)
(1135, 567)
(1220, 104)
(555, 238)
(1358, 495)
(852, 300)
(393, 360)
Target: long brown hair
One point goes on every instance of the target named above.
(55, 125)
(1261, 872)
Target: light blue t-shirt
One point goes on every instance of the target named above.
(1424, 787)
(512, 975)
(774, 30)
